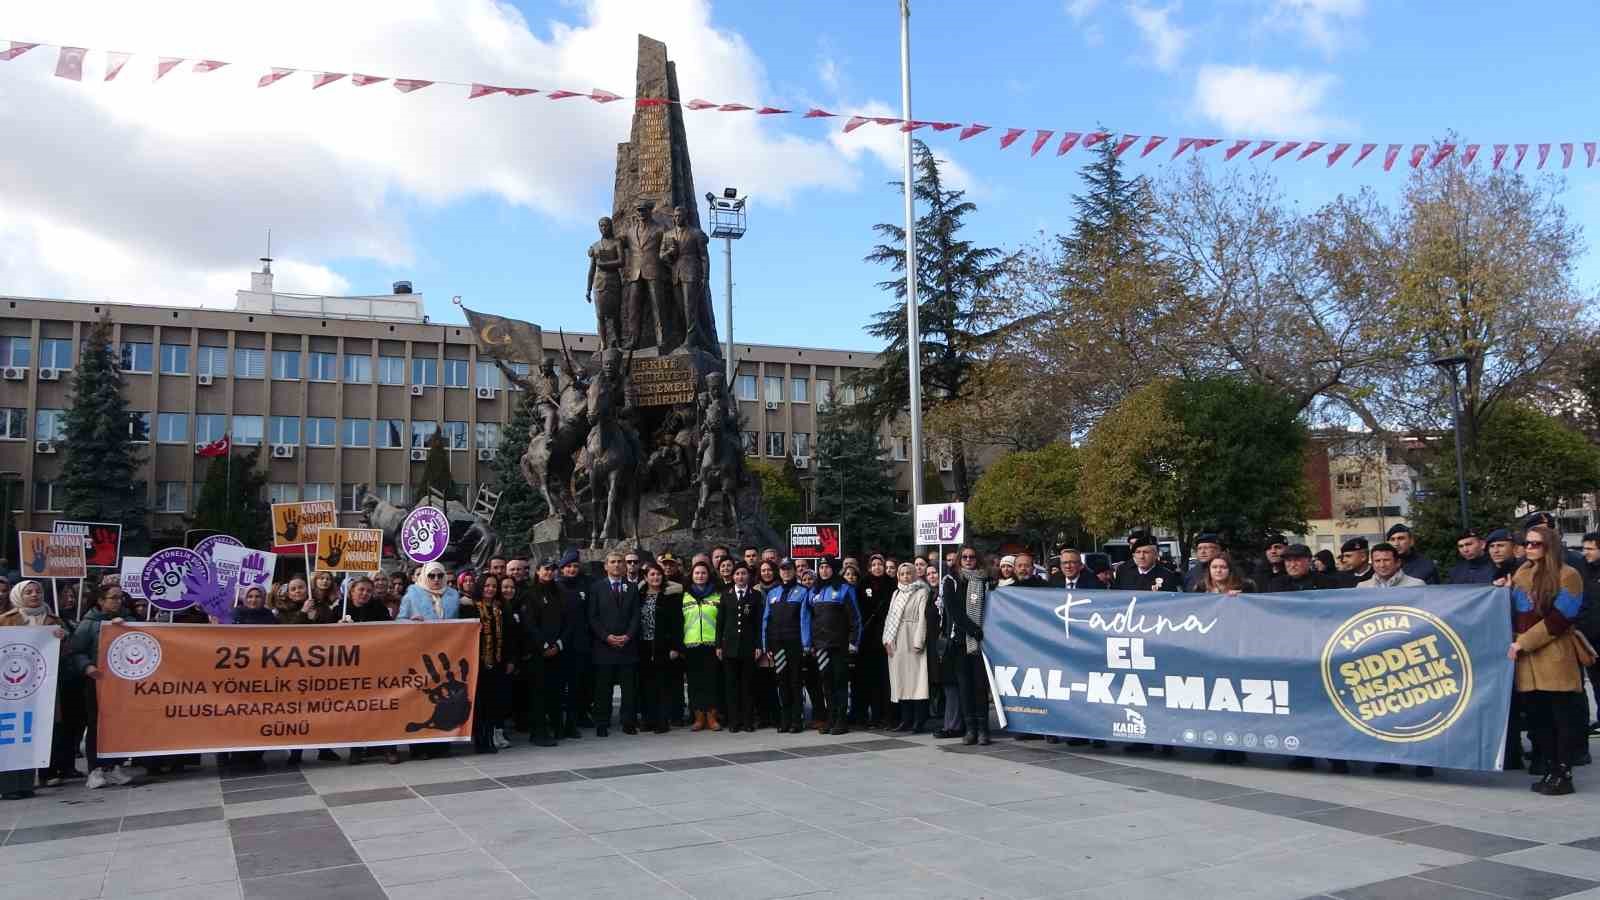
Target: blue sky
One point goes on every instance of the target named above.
(495, 200)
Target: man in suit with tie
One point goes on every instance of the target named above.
(684, 247)
(614, 624)
(641, 273)
(1075, 576)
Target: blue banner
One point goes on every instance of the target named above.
(1404, 675)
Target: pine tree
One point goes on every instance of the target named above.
(99, 476)
(231, 501)
(953, 278)
(521, 504)
(855, 486)
(435, 472)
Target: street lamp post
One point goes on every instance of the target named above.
(1452, 365)
(913, 330)
(727, 222)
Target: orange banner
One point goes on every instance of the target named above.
(205, 688)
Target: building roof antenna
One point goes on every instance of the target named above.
(266, 261)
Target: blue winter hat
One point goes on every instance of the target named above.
(1498, 535)
(569, 557)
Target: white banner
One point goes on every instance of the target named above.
(941, 523)
(29, 659)
(132, 569)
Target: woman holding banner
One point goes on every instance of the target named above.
(1546, 595)
(28, 609)
(82, 654)
(430, 599)
(495, 653)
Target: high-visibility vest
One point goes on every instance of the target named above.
(700, 619)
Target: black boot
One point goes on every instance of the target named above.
(970, 738)
(983, 732)
(1560, 782)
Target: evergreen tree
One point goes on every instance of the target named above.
(953, 277)
(435, 472)
(231, 502)
(780, 492)
(855, 486)
(521, 504)
(99, 476)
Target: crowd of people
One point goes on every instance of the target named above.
(748, 640)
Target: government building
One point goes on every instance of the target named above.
(341, 391)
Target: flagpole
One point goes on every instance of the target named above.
(913, 332)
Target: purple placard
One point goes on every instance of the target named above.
(164, 576)
(205, 547)
(424, 534)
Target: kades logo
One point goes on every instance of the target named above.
(1397, 673)
(1132, 725)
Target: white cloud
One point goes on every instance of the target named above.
(1081, 9)
(1164, 39)
(1324, 24)
(1247, 101)
(162, 192)
(828, 73)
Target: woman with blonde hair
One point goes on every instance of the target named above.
(1220, 578)
(905, 640)
(1546, 595)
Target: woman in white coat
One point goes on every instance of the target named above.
(905, 638)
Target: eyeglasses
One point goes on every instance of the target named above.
(434, 575)
(1533, 543)
(631, 562)
(968, 556)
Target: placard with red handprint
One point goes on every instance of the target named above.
(102, 541)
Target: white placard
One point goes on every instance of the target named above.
(132, 569)
(940, 523)
(29, 659)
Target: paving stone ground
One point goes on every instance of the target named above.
(764, 815)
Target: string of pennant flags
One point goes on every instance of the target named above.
(70, 65)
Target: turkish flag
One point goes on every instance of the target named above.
(70, 63)
(218, 447)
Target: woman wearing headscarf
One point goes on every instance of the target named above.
(29, 610)
(831, 629)
(253, 609)
(904, 638)
(702, 603)
(1546, 595)
(430, 599)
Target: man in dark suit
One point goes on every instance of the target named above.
(641, 273)
(1074, 575)
(614, 624)
(1144, 572)
(685, 248)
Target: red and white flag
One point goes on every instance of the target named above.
(1499, 154)
(166, 64)
(1285, 150)
(1234, 150)
(1390, 155)
(726, 107)
(696, 104)
(360, 80)
(1544, 154)
(1588, 150)
(1441, 154)
(772, 111)
(1261, 148)
(69, 64)
(1010, 137)
(1566, 155)
(1040, 138)
(601, 96)
(407, 85)
(854, 123)
(274, 76)
(1337, 151)
(1155, 141)
(1068, 141)
(973, 131)
(16, 49)
(218, 447)
(1311, 148)
(818, 113)
(1366, 151)
(325, 78)
(1522, 152)
(1123, 144)
(114, 63)
(208, 65)
(482, 90)
(1468, 154)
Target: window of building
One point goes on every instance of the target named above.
(14, 424)
(486, 435)
(1347, 481)
(744, 387)
(420, 432)
(802, 443)
(355, 433)
(172, 496)
(174, 359)
(286, 365)
(463, 489)
(318, 490)
(489, 376)
(455, 373)
(902, 501)
(774, 389)
(774, 443)
(824, 391)
(425, 371)
(319, 433)
(48, 496)
(283, 430)
(283, 492)
(391, 433)
(847, 394)
(211, 361)
(522, 370)
(137, 356)
(50, 424)
(393, 492)
(172, 428)
(348, 496)
(209, 427)
(16, 351)
(322, 366)
(752, 443)
(357, 369)
(139, 427)
(902, 447)
(800, 390)
(247, 431)
(391, 370)
(248, 363)
(55, 353)
(455, 435)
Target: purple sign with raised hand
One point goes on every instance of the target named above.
(424, 534)
(165, 575)
(205, 547)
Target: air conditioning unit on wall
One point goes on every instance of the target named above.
(486, 393)
(419, 456)
(203, 380)
(14, 373)
(283, 451)
(416, 390)
(49, 374)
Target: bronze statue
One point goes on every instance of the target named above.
(604, 289)
(613, 450)
(720, 456)
(641, 273)
(684, 247)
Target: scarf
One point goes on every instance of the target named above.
(436, 596)
(38, 614)
(700, 592)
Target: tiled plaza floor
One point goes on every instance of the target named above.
(755, 816)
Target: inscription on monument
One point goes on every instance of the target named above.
(662, 381)
(654, 152)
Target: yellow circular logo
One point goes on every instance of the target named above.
(1397, 673)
